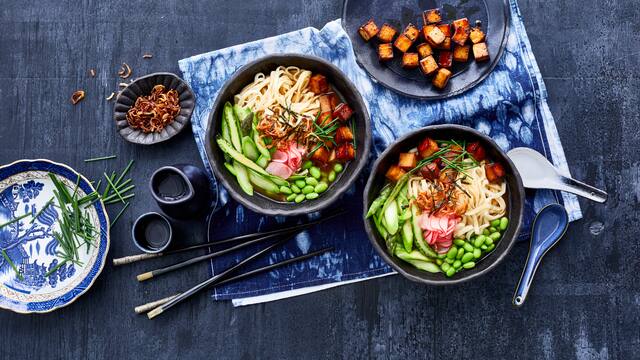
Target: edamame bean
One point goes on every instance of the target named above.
(311, 196)
(315, 172)
(457, 264)
(489, 241)
(477, 253)
(468, 247)
(337, 168)
(300, 183)
(295, 189)
(451, 272)
(307, 189)
(495, 223)
(467, 257)
(445, 267)
(439, 262)
(291, 197)
(448, 261)
(503, 223)
(460, 253)
(469, 265)
(285, 190)
(485, 232)
(495, 236)
(452, 253)
(458, 242)
(307, 164)
(492, 230)
(332, 176)
(479, 241)
(311, 181)
(483, 247)
(490, 247)
(299, 198)
(321, 187)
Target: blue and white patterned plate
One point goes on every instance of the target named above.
(25, 188)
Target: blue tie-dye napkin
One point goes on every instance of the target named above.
(509, 105)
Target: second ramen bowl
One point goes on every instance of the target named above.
(341, 85)
(514, 199)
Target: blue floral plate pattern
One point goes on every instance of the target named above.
(29, 280)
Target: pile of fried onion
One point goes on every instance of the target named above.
(154, 112)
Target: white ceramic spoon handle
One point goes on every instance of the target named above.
(582, 189)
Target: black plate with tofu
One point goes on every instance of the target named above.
(379, 25)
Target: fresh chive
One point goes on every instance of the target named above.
(14, 220)
(55, 268)
(122, 192)
(110, 180)
(100, 158)
(13, 266)
(114, 188)
(124, 172)
(113, 201)
(46, 205)
(119, 214)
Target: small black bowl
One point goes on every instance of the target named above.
(514, 198)
(340, 83)
(141, 87)
(152, 232)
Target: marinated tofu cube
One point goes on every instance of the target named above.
(394, 173)
(446, 44)
(386, 33)
(345, 152)
(408, 160)
(461, 30)
(476, 35)
(342, 112)
(318, 84)
(480, 52)
(411, 32)
(461, 23)
(431, 16)
(428, 65)
(334, 99)
(402, 43)
(442, 78)
(446, 29)
(424, 50)
(461, 53)
(385, 52)
(435, 36)
(324, 118)
(325, 103)
(410, 60)
(426, 30)
(445, 59)
(321, 155)
(368, 30)
(427, 148)
(343, 135)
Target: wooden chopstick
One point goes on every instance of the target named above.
(152, 305)
(140, 257)
(213, 280)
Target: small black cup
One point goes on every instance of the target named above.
(181, 190)
(152, 232)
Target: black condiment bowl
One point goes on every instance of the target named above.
(514, 198)
(340, 83)
(139, 233)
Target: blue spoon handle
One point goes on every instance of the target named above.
(533, 260)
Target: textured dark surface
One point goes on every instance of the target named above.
(585, 302)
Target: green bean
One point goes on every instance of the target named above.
(315, 172)
(445, 267)
(457, 264)
(451, 272)
(307, 189)
(495, 236)
(311, 181)
(477, 253)
(321, 187)
(495, 223)
(467, 257)
(460, 253)
(299, 198)
(479, 241)
(338, 168)
(490, 247)
(292, 197)
(295, 189)
(503, 223)
(311, 196)
(300, 183)
(332, 176)
(307, 165)
(459, 242)
(452, 253)
(468, 247)
(469, 265)
(489, 241)
(285, 190)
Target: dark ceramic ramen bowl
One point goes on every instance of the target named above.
(514, 199)
(245, 75)
(142, 87)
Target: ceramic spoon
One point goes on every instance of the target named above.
(548, 227)
(538, 173)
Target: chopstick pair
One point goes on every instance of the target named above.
(141, 257)
(152, 305)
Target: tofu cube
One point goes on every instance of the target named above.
(408, 160)
(394, 173)
(461, 30)
(445, 59)
(424, 50)
(446, 44)
(402, 43)
(342, 112)
(426, 30)
(411, 32)
(386, 33)
(325, 103)
(461, 23)
(476, 35)
(385, 52)
(334, 99)
(324, 118)
(368, 30)
(480, 52)
(343, 135)
(446, 29)
(461, 53)
(320, 156)
(431, 16)
(318, 84)
(428, 65)
(441, 79)
(410, 60)
(435, 36)
(345, 152)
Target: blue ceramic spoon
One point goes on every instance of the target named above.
(548, 227)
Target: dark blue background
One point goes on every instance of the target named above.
(585, 302)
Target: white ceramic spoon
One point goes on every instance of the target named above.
(538, 173)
